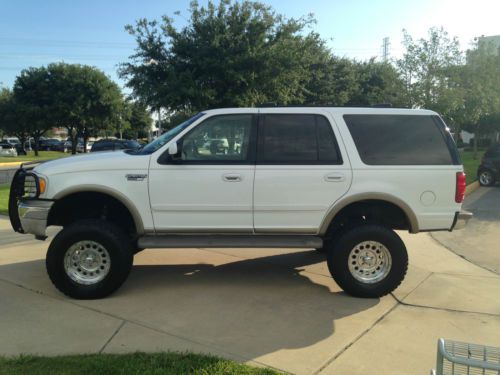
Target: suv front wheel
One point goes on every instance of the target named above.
(89, 259)
(368, 261)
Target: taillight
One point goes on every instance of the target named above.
(460, 188)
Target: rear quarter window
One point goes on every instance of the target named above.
(402, 140)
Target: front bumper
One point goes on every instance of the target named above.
(461, 220)
(33, 215)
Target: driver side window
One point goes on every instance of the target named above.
(220, 138)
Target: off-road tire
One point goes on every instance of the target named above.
(111, 237)
(338, 256)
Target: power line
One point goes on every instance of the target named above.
(67, 43)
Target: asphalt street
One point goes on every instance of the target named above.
(479, 241)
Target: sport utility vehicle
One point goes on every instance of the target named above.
(340, 180)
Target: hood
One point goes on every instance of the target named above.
(98, 161)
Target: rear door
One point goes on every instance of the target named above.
(301, 170)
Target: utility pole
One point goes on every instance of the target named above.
(385, 49)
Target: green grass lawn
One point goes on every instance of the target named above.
(43, 155)
(471, 164)
(4, 199)
(136, 363)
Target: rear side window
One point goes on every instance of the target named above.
(400, 140)
(297, 139)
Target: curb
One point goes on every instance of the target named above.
(471, 188)
(12, 164)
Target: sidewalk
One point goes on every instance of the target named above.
(269, 307)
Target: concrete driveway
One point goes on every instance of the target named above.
(479, 241)
(276, 308)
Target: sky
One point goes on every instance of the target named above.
(36, 33)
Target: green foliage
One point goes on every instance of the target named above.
(377, 83)
(470, 165)
(430, 69)
(13, 119)
(136, 363)
(78, 97)
(139, 121)
(233, 54)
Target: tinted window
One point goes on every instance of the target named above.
(399, 140)
(220, 139)
(298, 139)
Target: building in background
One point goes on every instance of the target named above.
(493, 40)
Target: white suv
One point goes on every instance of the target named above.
(340, 180)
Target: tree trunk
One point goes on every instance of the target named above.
(85, 138)
(37, 143)
(74, 143)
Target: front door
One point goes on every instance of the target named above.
(300, 171)
(208, 185)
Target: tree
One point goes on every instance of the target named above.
(16, 119)
(81, 98)
(138, 121)
(32, 93)
(480, 81)
(377, 83)
(230, 54)
(430, 69)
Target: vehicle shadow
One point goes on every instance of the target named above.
(247, 307)
(252, 306)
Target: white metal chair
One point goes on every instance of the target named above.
(460, 358)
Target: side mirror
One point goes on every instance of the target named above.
(173, 149)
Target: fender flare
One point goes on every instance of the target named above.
(342, 203)
(90, 188)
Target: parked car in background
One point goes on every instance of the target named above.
(7, 149)
(115, 145)
(89, 146)
(12, 140)
(51, 144)
(488, 172)
(67, 146)
(20, 149)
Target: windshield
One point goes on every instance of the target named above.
(166, 137)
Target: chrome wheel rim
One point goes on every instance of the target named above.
(87, 262)
(485, 178)
(370, 262)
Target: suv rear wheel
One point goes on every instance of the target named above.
(89, 259)
(368, 261)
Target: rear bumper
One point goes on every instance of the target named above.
(461, 220)
(33, 215)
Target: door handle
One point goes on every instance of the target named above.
(230, 177)
(335, 177)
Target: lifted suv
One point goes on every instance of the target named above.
(339, 180)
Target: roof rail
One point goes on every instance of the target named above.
(275, 105)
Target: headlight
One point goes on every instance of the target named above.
(34, 185)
